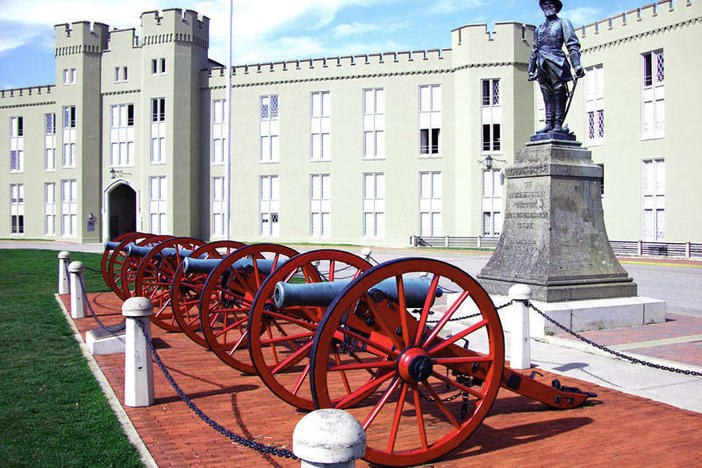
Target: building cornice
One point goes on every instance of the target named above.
(121, 92)
(31, 104)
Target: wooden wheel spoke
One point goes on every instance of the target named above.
(293, 357)
(420, 418)
(369, 386)
(442, 407)
(292, 320)
(447, 316)
(381, 350)
(459, 386)
(458, 336)
(396, 419)
(236, 346)
(403, 309)
(363, 365)
(425, 310)
(283, 339)
(304, 374)
(379, 406)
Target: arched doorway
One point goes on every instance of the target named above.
(122, 210)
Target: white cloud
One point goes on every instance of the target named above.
(582, 16)
(356, 28)
(449, 6)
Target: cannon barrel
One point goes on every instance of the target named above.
(195, 265)
(134, 250)
(111, 245)
(323, 294)
(171, 252)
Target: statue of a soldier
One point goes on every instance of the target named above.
(549, 65)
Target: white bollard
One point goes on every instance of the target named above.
(138, 368)
(520, 356)
(75, 272)
(64, 259)
(329, 438)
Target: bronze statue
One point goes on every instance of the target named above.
(549, 65)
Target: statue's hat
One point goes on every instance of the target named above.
(558, 3)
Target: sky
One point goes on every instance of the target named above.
(275, 30)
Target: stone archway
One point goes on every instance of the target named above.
(122, 210)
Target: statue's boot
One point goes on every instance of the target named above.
(560, 101)
(548, 104)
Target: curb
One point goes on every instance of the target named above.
(126, 423)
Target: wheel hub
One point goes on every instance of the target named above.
(414, 365)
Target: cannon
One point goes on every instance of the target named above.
(374, 354)
(187, 284)
(110, 248)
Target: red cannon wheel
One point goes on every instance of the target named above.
(280, 339)
(117, 263)
(186, 289)
(107, 254)
(227, 297)
(394, 361)
(155, 276)
(131, 263)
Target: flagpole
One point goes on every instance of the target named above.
(227, 119)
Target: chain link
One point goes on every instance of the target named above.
(626, 357)
(113, 330)
(259, 447)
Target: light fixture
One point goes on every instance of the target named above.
(489, 162)
(114, 173)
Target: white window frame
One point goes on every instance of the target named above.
(158, 131)
(16, 144)
(218, 215)
(219, 132)
(269, 129)
(122, 147)
(430, 204)
(17, 224)
(594, 130)
(653, 96)
(320, 206)
(158, 66)
(492, 212)
(50, 142)
(320, 126)
(374, 123)
(69, 76)
(374, 205)
(430, 97)
(69, 208)
(269, 206)
(50, 209)
(121, 74)
(70, 117)
(491, 115)
(653, 199)
(158, 204)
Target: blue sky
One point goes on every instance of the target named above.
(273, 30)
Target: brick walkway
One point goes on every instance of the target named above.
(617, 429)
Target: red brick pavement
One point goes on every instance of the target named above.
(616, 429)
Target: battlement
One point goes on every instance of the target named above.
(81, 37)
(122, 39)
(333, 67)
(175, 25)
(29, 96)
(509, 42)
(641, 20)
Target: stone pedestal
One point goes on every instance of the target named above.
(553, 237)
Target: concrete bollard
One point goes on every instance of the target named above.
(329, 438)
(64, 259)
(520, 356)
(138, 368)
(78, 307)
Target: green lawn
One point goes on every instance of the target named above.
(52, 411)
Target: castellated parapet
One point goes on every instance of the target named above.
(474, 45)
(82, 37)
(647, 20)
(175, 25)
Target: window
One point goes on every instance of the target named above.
(594, 105)
(158, 66)
(218, 208)
(270, 129)
(430, 120)
(69, 208)
(491, 115)
(320, 205)
(69, 136)
(17, 208)
(269, 206)
(653, 191)
(320, 127)
(122, 135)
(430, 204)
(540, 116)
(158, 192)
(50, 209)
(158, 131)
(374, 205)
(69, 76)
(492, 203)
(374, 123)
(653, 95)
(50, 142)
(219, 132)
(16, 144)
(121, 74)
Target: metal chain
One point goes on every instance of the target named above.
(259, 447)
(112, 330)
(458, 319)
(611, 351)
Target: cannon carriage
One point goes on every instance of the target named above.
(324, 329)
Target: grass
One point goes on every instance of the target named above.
(52, 411)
